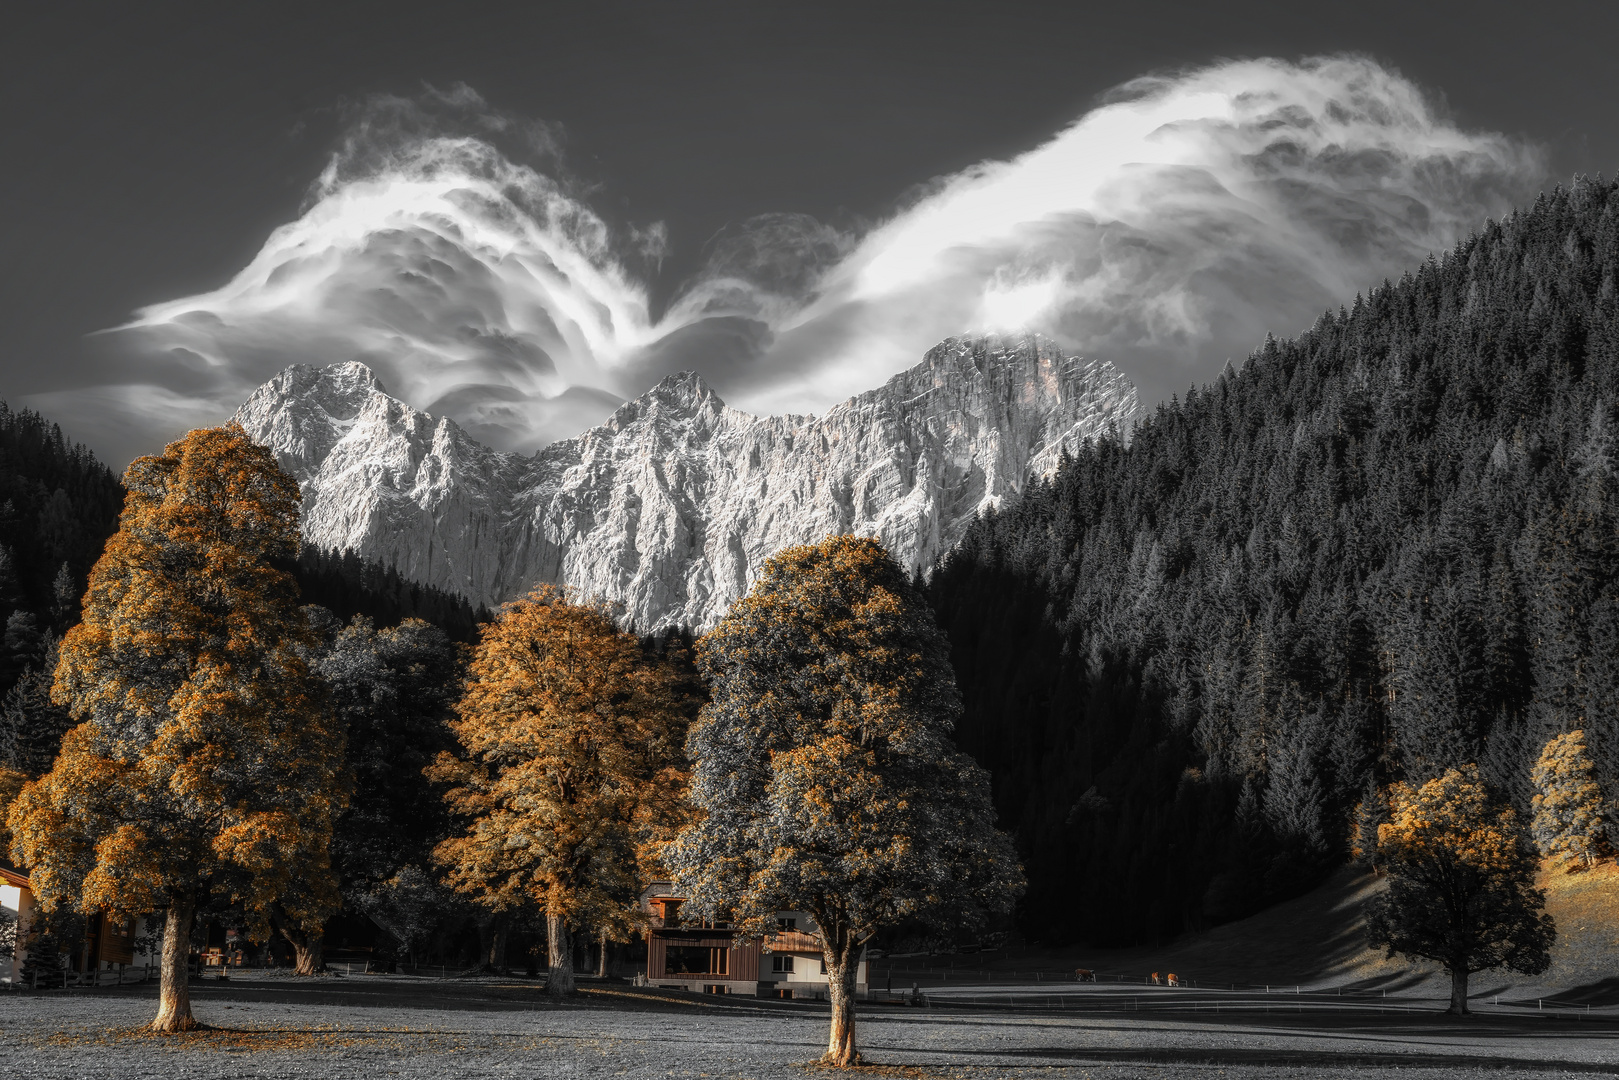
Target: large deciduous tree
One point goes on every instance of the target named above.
(1460, 883)
(824, 768)
(206, 762)
(572, 770)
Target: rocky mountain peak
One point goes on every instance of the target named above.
(669, 508)
(681, 399)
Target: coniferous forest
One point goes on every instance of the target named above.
(1376, 551)
(58, 505)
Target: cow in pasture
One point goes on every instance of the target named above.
(1084, 975)
(1157, 979)
(1174, 979)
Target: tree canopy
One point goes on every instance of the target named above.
(1460, 883)
(1570, 813)
(824, 770)
(572, 769)
(206, 761)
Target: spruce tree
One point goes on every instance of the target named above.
(31, 724)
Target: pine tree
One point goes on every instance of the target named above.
(1460, 883)
(64, 600)
(11, 784)
(206, 762)
(824, 768)
(572, 767)
(1569, 810)
(1371, 814)
(31, 724)
(392, 691)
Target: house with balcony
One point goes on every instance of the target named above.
(709, 957)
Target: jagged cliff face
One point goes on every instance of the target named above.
(669, 509)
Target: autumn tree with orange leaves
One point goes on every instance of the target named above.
(1461, 883)
(206, 762)
(824, 770)
(572, 772)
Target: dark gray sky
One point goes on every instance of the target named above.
(149, 149)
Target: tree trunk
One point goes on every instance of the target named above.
(842, 965)
(493, 936)
(559, 945)
(308, 949)
(601, 961)
(1458, 989)
(174, 992)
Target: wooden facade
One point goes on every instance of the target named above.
(698, 954)
(708, 957)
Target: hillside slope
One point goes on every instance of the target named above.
(1319, 941)
(1384, 548)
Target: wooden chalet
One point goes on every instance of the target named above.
(708, 957)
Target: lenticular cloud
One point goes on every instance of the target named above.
(1167, 229)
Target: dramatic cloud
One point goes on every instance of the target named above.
(1167, 229)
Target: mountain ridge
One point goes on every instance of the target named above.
(667, 509)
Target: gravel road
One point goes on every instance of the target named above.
(389, 1026)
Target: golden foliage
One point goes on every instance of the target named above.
(206, 757)
(825, 770)
(1448, 821)
(1570, 817)
(574, 765)
(1461, 882)
(825, 766)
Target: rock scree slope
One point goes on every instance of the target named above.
(668, 509)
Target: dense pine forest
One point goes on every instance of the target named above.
(347, 585)
(58, 505)
(1380, 549)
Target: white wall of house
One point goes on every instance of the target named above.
(19, 904)
(801, 970)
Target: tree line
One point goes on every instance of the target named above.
(1375, 553)
(238, 753)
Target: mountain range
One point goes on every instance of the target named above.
(668, 509)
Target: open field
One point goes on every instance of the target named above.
(395, 1026)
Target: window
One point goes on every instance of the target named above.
(780, 962)
(823, 967)
(697, 960)
(786, 924)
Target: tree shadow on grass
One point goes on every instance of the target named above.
(1601, 992)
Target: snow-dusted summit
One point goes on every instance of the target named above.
(669, 508)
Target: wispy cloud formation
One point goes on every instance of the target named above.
(1170, 227)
